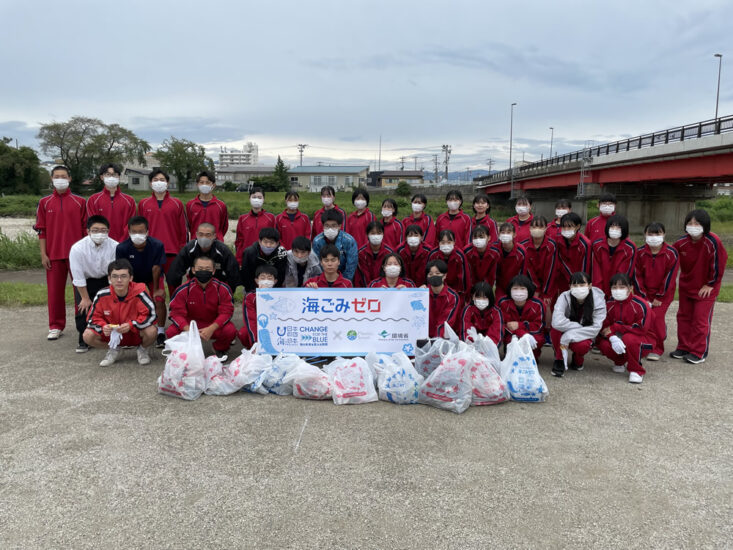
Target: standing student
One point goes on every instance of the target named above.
(371, 255)
(482, 210)
(523, 313)
(414, 253)
(596, 227)
(655, 280)
(577, 319)
(540, 253)
(702, 264)
(418, 202)
(482, 258)
(511, 258)
(60, 222)
(392, 274)
(522, 219)
(250, 224)
(112, 203)
(205, 207)
(482, 314)
(328, 196)
(613, 254)
(332, 223)
(562, 207)
(394, 231)
(455, 219)
(291, 222)
(573, 252)
(330, 277)
(444, 303)
(265, 277)
(266, 251)
(358, 220)
(459, 276)
(302, 263)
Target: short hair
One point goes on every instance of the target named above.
(269, 233)
(621, 221)
(374, 225)
(360, 191)
(61, 167)
(328, 189)
(479, 229)
(138, 220)
(580, 278)
(206, 224)
(159, 172)
(563, 202)
(454, 194)
(447, 233)
(538, 221)
(702, 217)
(440, 265)
(292, 193)
(521, 280)
(103, 169)
(206, 173)
(482, 288)
(622, 278)
(203, 257)
(267, 269)
(97, 218)
(655, 227)
(507, 225)
(330, 250)
(301, 243)
(414, 228)
(571, 218)
(523, 198)
(482, 197)
(392, 203)
(257, 189)
(419, 196)
(398, 258)
(116, 265)
(607, 197)
(332, 215)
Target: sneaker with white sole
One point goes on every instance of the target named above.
(54, 334)
(82, 347)
(160, 340)
(619, 368)
(635, 378)
(110, 358)
(678, 354)
(694, 359)
(653, 357)
(142, 356)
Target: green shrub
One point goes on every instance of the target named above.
(22, 252)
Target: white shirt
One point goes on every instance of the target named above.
(90, 261)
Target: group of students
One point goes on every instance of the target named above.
(569, 289)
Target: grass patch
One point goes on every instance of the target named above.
(22, 252)
(28, 294)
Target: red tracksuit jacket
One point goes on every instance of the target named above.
(488, 322)
(61, 220)
(521, 228)
(554, 231)
(249, 315)
(596, 228)
(540, 266)
(248, 230)
(394, 233)
(381, 282)
(192, 302)
(137, 308)
(118, 211)
(510, 265)
(632, 316)
(460, 224)
(459, 276)
(213, 212)
(167, 222)
(369, 264)
(415, 263)
(357, 224)
(321, 281)
(444, 307)
(482, 267)
(701, 263)
(318, 224)
(490, 224)
(425, 222)
(298, 226)
(531, 319)
(655, 275)
(605, 265)
(572, 257)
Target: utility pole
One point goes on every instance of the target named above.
(435, 163)
(402, 163)
(379, 164)
(511, 168)
(446, 152)
(415, 157)
(301, 148)
(490, 162)
(552, 135)
(468, 175)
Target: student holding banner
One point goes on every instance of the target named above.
(265, 277)
(392, 274)
(445, 304)
(414, 253)
(331, 277)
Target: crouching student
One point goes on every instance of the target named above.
(482, 315)
(265, 277)
(125, 307)
(331, 276)
(577, 318)
(302, 263)
(445, 304)
(523, 313)
(207, 301)
(624, 337)
(392, 274)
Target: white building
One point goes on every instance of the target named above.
(340, 178)
(234, 157)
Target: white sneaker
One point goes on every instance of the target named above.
(619, 368)
(142, 356)
(110, 358)
(635, 378)
(54, 334)
(653, 357)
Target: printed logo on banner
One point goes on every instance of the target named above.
(351, 335)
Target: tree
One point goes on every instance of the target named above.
(83, 144)
(20, 170)
(278, 181)
(403, 189)
(184, 159)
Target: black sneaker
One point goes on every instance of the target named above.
(558, 368)
(576, 367)
(678, 354)
(160, 340)
(221, 354)
(82, 347)
(694, 359)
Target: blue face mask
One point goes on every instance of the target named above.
(267, 250)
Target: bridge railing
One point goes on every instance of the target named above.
(680, 133)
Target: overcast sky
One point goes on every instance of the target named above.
(336, 75)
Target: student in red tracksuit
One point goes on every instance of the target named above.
(359, 220)
(205, 207)
(444, 303)
(249, 224)
(392, 274)
(291, 222)
(596, 227)
(166, 219)
(523, 218)
(482, 315)
(265, 277)
(702, 264)
(455, 219)
(414, 253)
(481, 259)
(459, 276)
(418, 202)
(60, 222)
(482, 209)
(512, 259)
(207, 301)
(371, 255)
(655, 280)
(562, 207)
(112, 203)
(328, 194)
(573, 252)
(624, 337)
(330, 277)
(394, 231)
(541, 253)
(523, 313)
(615, 253)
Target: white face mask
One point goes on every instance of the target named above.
(614, 233)
(620, 294)
(159, 186)
(265, 283)
(447, 248)
(694, 230)
(481, 303)
(256, 202)
(480, 243)
(327, 201)
(560, 212)
(392, 270)
(360, 203)
(568, 233)
(453, 205)
(607, 209)
(98, 238)
(521, 210)
(293, 205)
(138, 238)
(300, 260)
(519, 294)
(537, 232)
(506, 237)
(655, 240)
(580, 292)
(376, 239)
(417, 207)
(330, 233)
(413, 241)
(61, 184)
(111, 181)
(205, 189)
(387, 213)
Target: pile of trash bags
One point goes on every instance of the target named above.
(447, 373)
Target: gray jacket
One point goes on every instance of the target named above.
(575, 332)
(312, 269)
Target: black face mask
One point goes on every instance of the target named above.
(203, 276)
(435, 280)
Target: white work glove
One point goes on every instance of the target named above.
(617, 344)
(530, 340)
(114, 339)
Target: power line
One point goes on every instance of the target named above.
(301, 148)
(446, 151)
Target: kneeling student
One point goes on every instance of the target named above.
(265, 277)
(124, 306)
(445, 304)
(523, 313)
(331, 277)
(482, 315)
(207, 301)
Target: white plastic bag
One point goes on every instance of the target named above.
(352, 381)
(183, 375)
(519, 371)
(272, 379)
(309, 382)
(449, 386)
(398, 381)
(431, 354)
(487, 387)
(486, 347)
(236, 375)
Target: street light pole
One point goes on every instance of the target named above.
(552, 135)
(717, 94)
(511, 137)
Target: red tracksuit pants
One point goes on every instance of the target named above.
(56, 286)
(579, 349)
(636, 348)
(221, 339)
(694, 318)
(658, 328)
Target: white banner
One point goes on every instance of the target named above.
(341, 321)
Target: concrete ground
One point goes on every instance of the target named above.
(95, 458)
